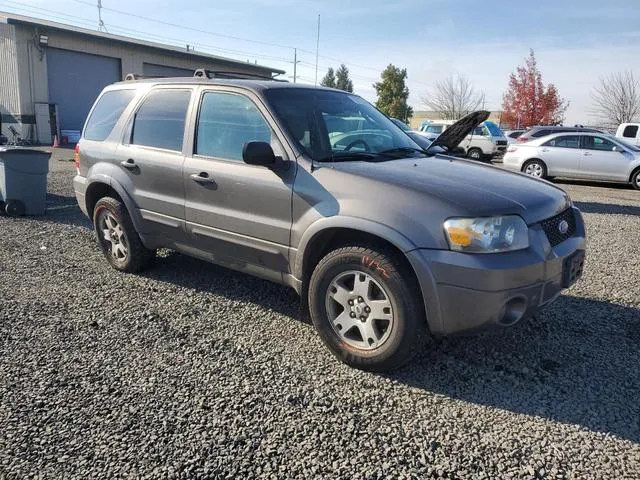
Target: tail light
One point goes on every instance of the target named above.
(512, 149)
(76, 158)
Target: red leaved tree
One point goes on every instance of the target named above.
(527, 102)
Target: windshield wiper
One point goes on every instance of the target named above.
(402, 150)
(346, 156)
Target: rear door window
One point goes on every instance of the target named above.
(159, 122)
(566, 141)
(106, 113)
(630, 131)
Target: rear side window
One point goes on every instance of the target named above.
(567, 141)
(228, 121)
(159, 122)
(106, 114)
(542, 133)
(630, 131)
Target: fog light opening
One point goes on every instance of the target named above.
(513, 311)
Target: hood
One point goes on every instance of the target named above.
(457, 132)
(471, 188)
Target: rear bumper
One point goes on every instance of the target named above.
(466, 292)
(80, 189)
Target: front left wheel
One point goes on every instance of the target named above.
(365, 305)
(117, 237)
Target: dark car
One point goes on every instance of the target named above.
(316, 189)
(543, 131)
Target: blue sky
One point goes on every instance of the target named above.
(576, 41)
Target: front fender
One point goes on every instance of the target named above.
(354, 223)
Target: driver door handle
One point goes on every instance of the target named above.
(202, 177)
(587, 154)
(129, 164)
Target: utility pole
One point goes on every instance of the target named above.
(295, 64)
(317, 49)
(101, 26)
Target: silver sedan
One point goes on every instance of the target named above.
(590, 156)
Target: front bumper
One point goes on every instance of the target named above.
(469, 292)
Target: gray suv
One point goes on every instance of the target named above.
(316, 189)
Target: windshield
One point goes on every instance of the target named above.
(328, 124)
(494, 129)
(403, 126)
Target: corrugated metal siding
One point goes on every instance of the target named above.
(9, 91)
(75, 80)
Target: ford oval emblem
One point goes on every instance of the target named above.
(563, 227)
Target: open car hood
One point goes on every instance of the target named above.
(457, 132)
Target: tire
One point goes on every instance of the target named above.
(14, 208)
(117, 237)
(635, 179)
(399, 327)
(535, 168)
(475, 154)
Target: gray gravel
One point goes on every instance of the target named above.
(194, 371)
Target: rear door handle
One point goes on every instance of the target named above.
(129, 164)
(202, 177)
(587, 154)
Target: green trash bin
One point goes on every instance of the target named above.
(23, 180)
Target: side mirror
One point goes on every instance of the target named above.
(617, 149)
(258, 153)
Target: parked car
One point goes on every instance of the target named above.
(630, 132)
(386, 243)
(543, 131)
(512, 135)
(421, 140)
(484, 143)
(577, 155)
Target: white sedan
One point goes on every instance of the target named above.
(590, 156)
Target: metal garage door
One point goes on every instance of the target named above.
(75, 80)
(152, 69)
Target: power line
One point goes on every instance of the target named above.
(129, 14)
(85, 21)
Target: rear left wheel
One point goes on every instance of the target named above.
(635, 180)
(364, 303)
(535, 168)
(117, 237)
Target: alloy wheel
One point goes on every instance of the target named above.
(114, 236)
(359, 310)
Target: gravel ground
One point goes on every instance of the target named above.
(194, 371)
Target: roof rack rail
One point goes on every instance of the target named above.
(139, 76)
(210, 74)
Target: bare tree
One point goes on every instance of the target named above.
(453, 97)
(616, 99)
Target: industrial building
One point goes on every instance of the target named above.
(51, 73)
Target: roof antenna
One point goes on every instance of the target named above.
(101, 25)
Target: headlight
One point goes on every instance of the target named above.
(487, 234)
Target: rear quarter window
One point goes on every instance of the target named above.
(106, 113)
